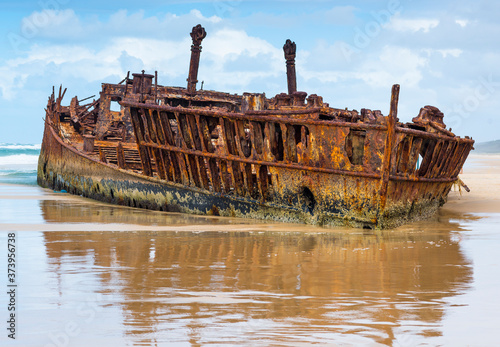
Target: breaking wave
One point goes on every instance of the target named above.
(18, 163)
(12, 146)
(19, 159)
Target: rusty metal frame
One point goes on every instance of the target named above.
(296, 158)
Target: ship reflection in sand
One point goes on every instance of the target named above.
(268, 283)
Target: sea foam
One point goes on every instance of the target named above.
(12, 146)
(18, 163)
(19, 159)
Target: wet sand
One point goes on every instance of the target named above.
(482, 175)
(95, 274)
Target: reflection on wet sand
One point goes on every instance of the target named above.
(262, 285)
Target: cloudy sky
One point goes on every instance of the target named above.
(444, 54)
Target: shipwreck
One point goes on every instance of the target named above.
(289, 158)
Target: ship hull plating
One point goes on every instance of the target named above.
(61, 167)
(290, 158)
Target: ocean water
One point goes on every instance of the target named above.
(18, 163)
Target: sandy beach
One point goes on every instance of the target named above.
(90, 273)
(482, 175)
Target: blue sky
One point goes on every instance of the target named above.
(444, 54)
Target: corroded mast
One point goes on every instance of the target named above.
(289, 49)
(198, 34)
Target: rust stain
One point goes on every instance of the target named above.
(290, 157)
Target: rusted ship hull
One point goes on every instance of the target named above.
(283, 158)
(344, 200)
(61, 167)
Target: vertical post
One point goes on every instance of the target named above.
(102, 156)
(120, 156)
(389, 143)
(88, 143)
(142, 87)
(289, 49)
(156, 87)
(198, 34)
(139, 132)
(127, 82)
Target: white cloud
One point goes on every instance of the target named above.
(394, 65)
(450, 52)
(340, 15)
(66, 24)
(233, 59)
(169, 56)
(229, 41)
(212, 19)
(51, 23)
(58, 44)
(10, 81)
(424, 53)
(454, 52)
(412, 24)
(389, 66)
